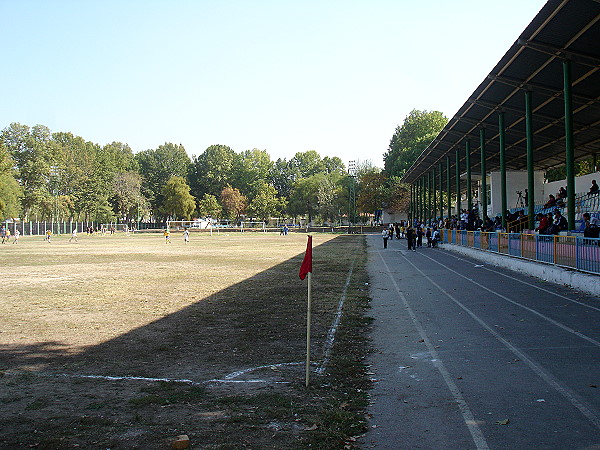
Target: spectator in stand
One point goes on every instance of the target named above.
(593, 188)
(543, 225)
(559, 223)
(562, 193)
(551, 201)
(592, 226)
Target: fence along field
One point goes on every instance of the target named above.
(136, 308)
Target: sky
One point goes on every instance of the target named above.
(335, 76)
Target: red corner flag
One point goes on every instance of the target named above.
(306, 266)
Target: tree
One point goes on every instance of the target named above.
(209, 206)
(397, 196)
(282, 177)
(9, 187)
(127, 199)
(334, 165)
(178, 203)
(304, 197)
(158, 166)
(34, 153)
(307, 163)
(266, 204)
(234, 202)
(410, 139)
(329, 193)
(251, 169)
(212, 171)
(372, 191)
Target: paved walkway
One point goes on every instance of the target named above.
(474, 356)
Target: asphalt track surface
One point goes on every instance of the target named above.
(469, 355)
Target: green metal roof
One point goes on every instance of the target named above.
(563, 29)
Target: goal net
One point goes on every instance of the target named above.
(183, 224)
(253, 226)
(113, 227)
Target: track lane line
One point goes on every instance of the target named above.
(520, 281)
(468, 417)
(527, 308)
(569, 395)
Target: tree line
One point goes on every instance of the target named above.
(59, 176)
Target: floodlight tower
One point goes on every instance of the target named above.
(351, 192)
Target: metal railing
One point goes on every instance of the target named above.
(569, 251)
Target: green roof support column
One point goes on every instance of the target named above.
(468, 164)
(434, 195)
(483, 213)
(420, 199)
(458, 206)
(530, 180)
(441, 191)
(569, 145)
(429, 199)
(502, 143)
(448, 187)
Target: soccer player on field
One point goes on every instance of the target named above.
(74, 235)
(167, 236)
(48, 235)
(186, 235)
(17, 234)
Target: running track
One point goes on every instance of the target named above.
(472, 356)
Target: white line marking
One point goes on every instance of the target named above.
(572, 397)
(532, 311)
(336, 322)
(450, 253)
(468, 417)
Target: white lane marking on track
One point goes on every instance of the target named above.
(476, 434)
(524, 282)
(533, 311)
(571, 396)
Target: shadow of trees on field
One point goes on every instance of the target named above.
(258, 321)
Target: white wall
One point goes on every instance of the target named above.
(515, 181)
(582, 184)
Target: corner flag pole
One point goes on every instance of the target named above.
(308, 314)
(306, 269)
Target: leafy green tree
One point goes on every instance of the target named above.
(127, 199)
(34, 153)
(307, 164)
(178, 203)
(397, 196)
(333, 165)
(329, 194)
(212, 171)
(266, 204)
(372, 191)
(410, 139)
(9, 187)
(157, 166)
(251, 169)
(282, 177)
(209, 206)
(234, 202)
(304, 197)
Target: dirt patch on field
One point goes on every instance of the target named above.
(127, 342)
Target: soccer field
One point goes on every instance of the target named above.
(89, 326)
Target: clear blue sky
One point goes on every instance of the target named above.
(283, 76)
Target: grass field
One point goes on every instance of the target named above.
(126, 342)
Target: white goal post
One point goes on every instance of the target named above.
(253, 226)
(107, 227)
(178, 225)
